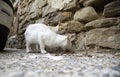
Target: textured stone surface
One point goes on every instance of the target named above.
(13, 42)
(112, 9)
(103, 23)
(63, 4)
(86, 14)
(70, 27)
(36, 6)
(56, 17)
(80, 41)
(72, 5)
(95, 3)
(105, 37)
(46, 10)
(18, 63)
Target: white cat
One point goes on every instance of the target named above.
(44, 36)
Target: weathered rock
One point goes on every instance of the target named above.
(23, 11)
(63, 4)
(12, 42)
(36, 14)
(56, 17)
(104, 37)
(80, 41)
(86, 14)
(36, 5)
(71, 26)
(102, 23)
(72, 5)
(95, 3)
(41, 20)
(48, 9)
(112, 9)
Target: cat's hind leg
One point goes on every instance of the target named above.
(27, 47)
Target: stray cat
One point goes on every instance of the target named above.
(40, 34)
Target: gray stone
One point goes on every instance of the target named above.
(112, 9)
(56, 17)
(102, 23)
(105, 37)
(36, 14)
(34, 8)
(63, 4)
(41, 20)
(71, 27)
(37, 4)
(80, 41)
(72, 5)
(12, 42)
(86, 14)
(95, 3)
(46, 10)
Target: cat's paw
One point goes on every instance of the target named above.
(44, 52)
(28, 51)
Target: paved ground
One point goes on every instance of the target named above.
(18, 63)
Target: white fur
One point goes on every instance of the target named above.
(55, 29)
(44, 36)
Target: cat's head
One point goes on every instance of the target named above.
(62, 28)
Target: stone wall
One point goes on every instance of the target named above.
(96, 23)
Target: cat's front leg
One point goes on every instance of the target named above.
(43, 51)
(42, 47)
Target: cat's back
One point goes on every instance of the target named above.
(40, 29)
(37, 26)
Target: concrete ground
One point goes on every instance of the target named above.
(18, 63)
